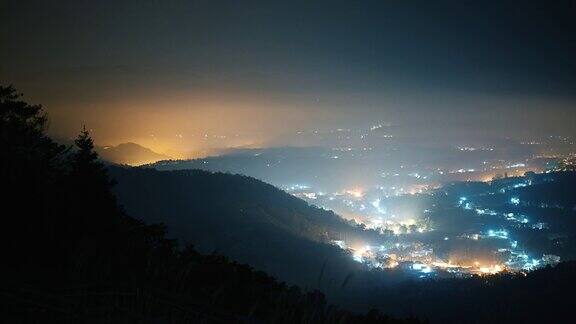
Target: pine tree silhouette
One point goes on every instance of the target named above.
(86, 156)
(86, 166)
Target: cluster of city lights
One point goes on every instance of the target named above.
(407, 252)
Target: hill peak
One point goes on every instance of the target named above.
(130, 153)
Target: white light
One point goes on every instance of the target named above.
(426, 269)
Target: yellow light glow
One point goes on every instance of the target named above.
(356, 193)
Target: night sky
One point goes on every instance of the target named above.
(164, 73)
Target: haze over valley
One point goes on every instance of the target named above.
(224, 161)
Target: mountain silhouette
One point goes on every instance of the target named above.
(130, 154)
(245, 219)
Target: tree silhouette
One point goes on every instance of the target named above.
(19, 114)
(30, 169)
(86, 157)
(86, 165)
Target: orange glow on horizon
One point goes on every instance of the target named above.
(181, 125)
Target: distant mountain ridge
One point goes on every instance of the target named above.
(279, 166)
(130, 154)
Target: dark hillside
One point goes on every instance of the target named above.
(243, 218)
